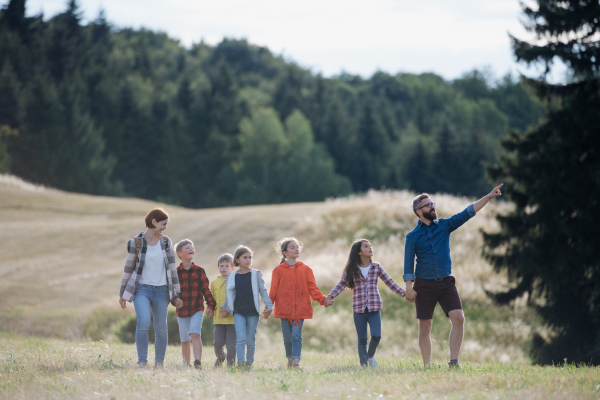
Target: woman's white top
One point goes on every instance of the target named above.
(154, 272)
(365, 271)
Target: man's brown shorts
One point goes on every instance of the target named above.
(430, 292)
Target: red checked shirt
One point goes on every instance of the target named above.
(366, 294)
(194, 289)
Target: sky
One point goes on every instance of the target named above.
(446, 37)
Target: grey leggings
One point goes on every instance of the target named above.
(224, 335)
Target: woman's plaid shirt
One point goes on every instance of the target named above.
(134, 269)
(194, 289)
(366, 293)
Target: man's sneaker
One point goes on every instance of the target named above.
(142, 365)
(197, 364)
(454, 365)
(290, 363)
(373, 362)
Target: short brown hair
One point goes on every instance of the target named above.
(417, 201)
(182, 243)
(225, 257)
(159, 214)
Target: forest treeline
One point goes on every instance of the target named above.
(96, 109)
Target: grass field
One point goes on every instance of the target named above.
(63, 257)
(38, 368)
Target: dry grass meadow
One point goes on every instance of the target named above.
(63, 256)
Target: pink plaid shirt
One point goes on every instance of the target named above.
(366, 293)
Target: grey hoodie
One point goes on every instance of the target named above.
(258, 287)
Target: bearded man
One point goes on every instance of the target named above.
(432, 277)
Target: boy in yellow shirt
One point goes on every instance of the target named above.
(224, 330)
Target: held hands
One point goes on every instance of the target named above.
(123, 303)
(224, 312)
(178, 303)
(328, 302)
(496, 192)
(210, 313)
(266, 313)
(411, 294)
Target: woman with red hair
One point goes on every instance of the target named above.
(150, 281)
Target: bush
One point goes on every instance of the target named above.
(100, 322)
(125, 331)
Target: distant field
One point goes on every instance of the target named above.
(63, 256)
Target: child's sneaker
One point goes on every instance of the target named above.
(373, 362)
(197, 364)
(219, 362)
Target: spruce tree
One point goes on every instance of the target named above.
(549, 243)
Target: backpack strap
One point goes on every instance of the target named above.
(138, 246)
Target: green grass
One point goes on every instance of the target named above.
(35, 368)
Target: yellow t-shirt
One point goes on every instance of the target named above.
(217, 288)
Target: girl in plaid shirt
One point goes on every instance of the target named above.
(361, 275)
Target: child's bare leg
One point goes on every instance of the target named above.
(185, 351)
(197, 343)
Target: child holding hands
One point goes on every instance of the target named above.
(194, 290)
(361, 275)
(292, 286)
(224, 330)
(244, 289)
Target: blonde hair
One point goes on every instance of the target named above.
(241, 249)
(282, 246)
(225, 257)
(182, 243)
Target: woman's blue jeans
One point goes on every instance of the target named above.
(245, 336)
(292, 337)
(373, 319)
(151, 301)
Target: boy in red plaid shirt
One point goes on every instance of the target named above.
(195, 289)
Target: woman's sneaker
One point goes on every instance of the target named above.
(373, 362)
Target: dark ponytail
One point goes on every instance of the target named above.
(351, 269)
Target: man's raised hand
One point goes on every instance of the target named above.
(496, 192)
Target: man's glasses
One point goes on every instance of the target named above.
(428, 205)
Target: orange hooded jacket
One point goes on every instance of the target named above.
(291, 290)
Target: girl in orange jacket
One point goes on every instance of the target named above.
(292, 286)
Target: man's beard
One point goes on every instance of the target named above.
(430, 215)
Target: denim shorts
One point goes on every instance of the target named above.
(189, 325)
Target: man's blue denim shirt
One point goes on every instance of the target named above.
(431, 245)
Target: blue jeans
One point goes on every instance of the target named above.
(292, 338)
(373, 319)
(245, 336)
(156, 299)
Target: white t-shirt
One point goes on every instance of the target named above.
(365, 271)
(154, 273)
